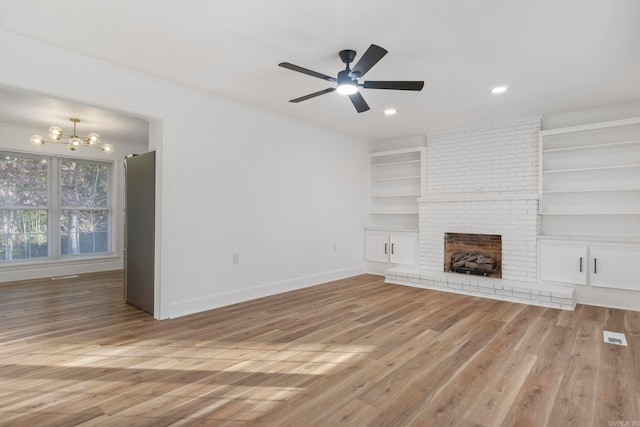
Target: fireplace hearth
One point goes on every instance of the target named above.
(477, 254)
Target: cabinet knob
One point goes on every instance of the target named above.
(580, 264)
(385, 248)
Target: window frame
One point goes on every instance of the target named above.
(54, 208)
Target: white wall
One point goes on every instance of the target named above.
(234, 179)
(595, 115)
(16, 139)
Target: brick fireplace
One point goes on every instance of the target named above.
(511, 216)
(483, 181)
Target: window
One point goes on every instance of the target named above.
(51, 207)
(84, 207)
(24, 209)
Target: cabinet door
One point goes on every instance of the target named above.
(614, 267)
(377, 246)
(565, 263)
(404, 247)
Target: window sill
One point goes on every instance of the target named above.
(48, 262)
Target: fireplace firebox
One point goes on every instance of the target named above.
(478, 254)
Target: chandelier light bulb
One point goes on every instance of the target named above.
(75, 142)
(55, 133)
(107, 148)
(93, 138)
(37, 140)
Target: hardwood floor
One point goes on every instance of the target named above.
(352, 352)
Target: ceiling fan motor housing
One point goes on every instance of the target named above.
(347, 56)
(344, 78)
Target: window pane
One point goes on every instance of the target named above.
(23, 181)
(84, 184)
(84, 232)
(23, 234)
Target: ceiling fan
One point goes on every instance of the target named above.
(347, 80)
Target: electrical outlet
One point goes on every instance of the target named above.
(235, 258)
(335, 247)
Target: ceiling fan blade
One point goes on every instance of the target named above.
(394, 85)
(368, 60)
(313, 95)
(305, 71)
(359, 102)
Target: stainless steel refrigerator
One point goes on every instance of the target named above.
(139, 247)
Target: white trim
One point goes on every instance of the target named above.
(621, 299)
(37, 270)
(398, 151)
(185, 307)
(392, 228)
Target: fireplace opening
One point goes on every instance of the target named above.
(478, 254)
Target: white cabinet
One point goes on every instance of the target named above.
(396, 181)
(563, 262)
(590, 263)
(396, 247)
(377, 246)
(590, 180)
(613, 267)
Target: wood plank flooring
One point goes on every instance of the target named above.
(355, 352)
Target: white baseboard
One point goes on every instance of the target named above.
(607, 297)
(183, 308)
(373, 267)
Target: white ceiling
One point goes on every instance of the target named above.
(555, 55)
(38, 112)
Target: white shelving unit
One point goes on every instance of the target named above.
(396, 181)
(590, 208)
(590, 181)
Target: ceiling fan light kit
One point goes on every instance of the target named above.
(347, 79)
(73, 141)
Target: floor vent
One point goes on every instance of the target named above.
(614, 338)
(71, 276)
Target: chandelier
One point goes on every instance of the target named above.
(73, 141)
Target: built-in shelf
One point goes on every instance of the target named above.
(590, 179)
(394, 213)
(589, 147)
(590, 213)
(396, 178)
(627, 238)
(395, 195)
(391, 228)
(395, 163)
(396, 181)
(598, 168)
(590, 190)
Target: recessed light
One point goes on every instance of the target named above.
(499, 89)
(390, 111)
